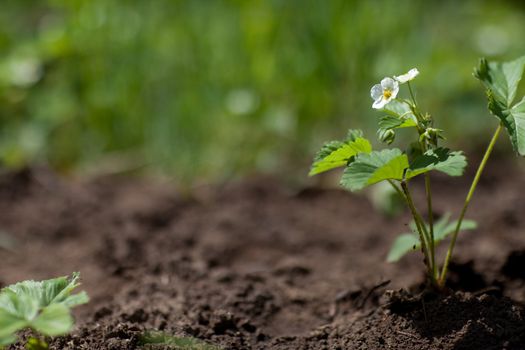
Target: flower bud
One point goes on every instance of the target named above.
(431, 135)
(387, 136)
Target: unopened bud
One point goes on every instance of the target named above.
(431, 135)
(387, 136)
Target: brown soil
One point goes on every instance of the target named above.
(255, 265)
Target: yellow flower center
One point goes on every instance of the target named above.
(387, 93)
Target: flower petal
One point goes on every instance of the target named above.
(394, 91)
(376, 92)
(410, 75)
(389, 83)
(413, 73)
(380, 103)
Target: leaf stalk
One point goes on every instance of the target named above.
(420, 225)
(432, 247)
(490, 147)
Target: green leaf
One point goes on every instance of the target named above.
(43, 306)
(353, 134)
(390, 122)
(440, 159)
(515, 121)
(407, 242)
(54, 320)
(59, 291)
(336, 154)
(174, 342)
(326, 149)
(76, 299)
(36, 344)
(501, 78)
(448, 228)
(403, 244)
(370, 168)
(397, 109)
(9, 324)
(501, 81)
(6, 340)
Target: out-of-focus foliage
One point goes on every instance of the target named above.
(407, 242)
(209, 89)
(43, 306)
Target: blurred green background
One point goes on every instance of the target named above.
(212, 90)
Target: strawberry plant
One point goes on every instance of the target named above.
(42, 306)
(364, 166)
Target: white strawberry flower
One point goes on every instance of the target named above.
(384, 92)
(410, 75)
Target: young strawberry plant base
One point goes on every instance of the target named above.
(255, 265)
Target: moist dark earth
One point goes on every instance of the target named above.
(256, 264)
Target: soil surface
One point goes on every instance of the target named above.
(256, 265)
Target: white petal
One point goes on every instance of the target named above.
(376, 92)
(413, 73)
(380, 103)
(410, 75)
(394, 91)
(389, 83)
(402, 78)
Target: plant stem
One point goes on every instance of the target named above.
(431, 225)
(410, 105)
(399, 192)
(430, 235)
(420, 228)
(412, 95)
(490, 147)
(416, 110)
(417, 218)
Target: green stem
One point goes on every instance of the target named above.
(412, 95)
(420, 228)
(430, 224)
(490, 147)
(410, 105)
(429, 235)
(399, 192)
(416, 110)
(430, 266)
(418, 218)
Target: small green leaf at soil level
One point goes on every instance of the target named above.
(152, 340)
(43, 306)
(407, 242)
